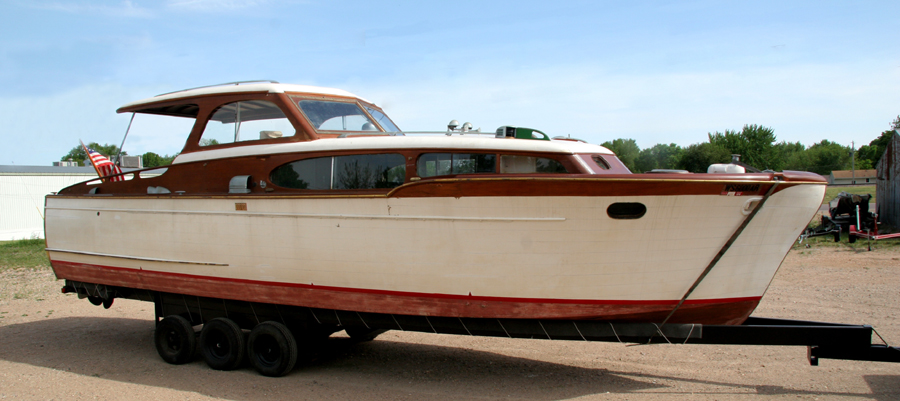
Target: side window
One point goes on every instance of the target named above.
(598, 160)
(342, 172)
(513, 164)
(246, 121)
(304, 174)
(369, 171)
(433, 164)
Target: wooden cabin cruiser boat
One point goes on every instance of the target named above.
(311, 198)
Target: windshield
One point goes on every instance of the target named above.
(335, 116)
(382, 120)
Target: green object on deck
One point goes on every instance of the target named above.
(521, 133)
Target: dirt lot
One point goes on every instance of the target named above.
(54, 346)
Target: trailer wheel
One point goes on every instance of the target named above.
(362, 334)
(272, 349)
(851, 239)
(175, 340)
(222, 344)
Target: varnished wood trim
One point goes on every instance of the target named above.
(704, 311)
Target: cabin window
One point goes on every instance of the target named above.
(432, 164)
(335, 116)
(604, 164)
(246, 121)
(514, 164)
(342, 172)
(598, 160)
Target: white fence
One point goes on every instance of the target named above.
(22, 191)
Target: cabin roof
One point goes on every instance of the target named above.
(436, 143)
(269, 87)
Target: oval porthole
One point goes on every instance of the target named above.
(626, 210)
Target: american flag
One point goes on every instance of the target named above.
(103, 166)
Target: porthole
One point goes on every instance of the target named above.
(626, 210)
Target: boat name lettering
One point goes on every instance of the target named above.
(737, 189)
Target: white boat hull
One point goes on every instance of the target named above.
(492, 256)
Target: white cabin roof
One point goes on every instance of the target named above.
(378, 143)
(240, 88)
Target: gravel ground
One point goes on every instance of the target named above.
(54, 346)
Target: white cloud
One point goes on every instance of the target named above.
(213, 5)
(45, 128)
(125, 9)
(805, 103)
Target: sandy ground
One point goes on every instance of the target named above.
(54, 346)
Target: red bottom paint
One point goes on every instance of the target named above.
(707, 311)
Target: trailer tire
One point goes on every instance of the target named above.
(175, 340)
(272, 349)
(222, 344)
(851, 239)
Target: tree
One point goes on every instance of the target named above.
(873, 151)
(660, 156)
(77, 153)
(697, 157)
(787, 151)
(755, 144)
(821, 158)
(151, 159)
(627, 151)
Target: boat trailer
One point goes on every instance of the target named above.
(823, 340)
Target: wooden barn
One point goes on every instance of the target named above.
(888, 184)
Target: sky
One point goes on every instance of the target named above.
(654, 71)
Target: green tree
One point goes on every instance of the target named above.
(697, 157)
(660, 156)
(821, 158)
(755, 144)
(77, 153)
(874, 150)
(626, 149)
(151, 159)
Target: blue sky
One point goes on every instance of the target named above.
(657, 72)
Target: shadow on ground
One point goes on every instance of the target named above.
(122, 350)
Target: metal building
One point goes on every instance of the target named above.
(22, 191)
(888, 184)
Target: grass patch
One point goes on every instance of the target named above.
(832, 191)
(861, 244)
(26, 253)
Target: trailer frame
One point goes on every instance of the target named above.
(823, 340)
